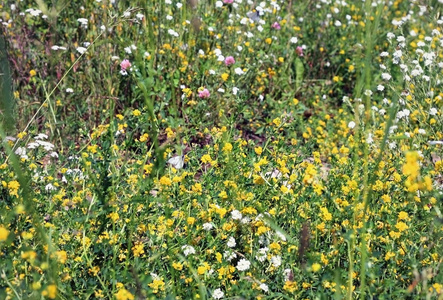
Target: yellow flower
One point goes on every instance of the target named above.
(411, 168)
(258, 150)
(225, 76)
(403, 215)
(50, 291)
(178, 266)
(136, 113)
(165, 181)
(190, 220)
(138, 250)
(124, 294)
(32, 73)
(389, 255)
(316, 267)
(62, 256)
(3, 234)
(227, 147)
(401, 226)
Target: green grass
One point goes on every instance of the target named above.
(312, 163)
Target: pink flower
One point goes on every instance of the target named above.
(204, 94)
(299, 51)
(229, 61)
(228, 1)
(276, 26)
(125, 64)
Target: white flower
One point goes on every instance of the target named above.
(243, 264)
(276, 261)
(173, 33)
(231, 242)
(264, 287)
(370, 140)
(280, 235)
(229, 255)
(384, 54)
(179, 5)
(337, 23)
(262, 253)
(235, 90)
(49, 187)
(239, 71)
(208, 226)
(187, 250)
(236, 215)
(386, 76)
(351, 125)
(69, 90)
(294, 40)
(140, 16)
(41, 136)
(433, 111)
(380, 87)
(421, 131)
(218, 294)
(218, 4)
(81, 50)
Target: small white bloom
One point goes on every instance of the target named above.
(235, 90)
(239, 71)
(231, 242)
(294, 40)
(236, 215)
(386, 76)
(208, 226)
(218, 4)
(81, 50)
(276, 261)
(351, 125)
(187, 250)
(243, 264)
(433, 111)
(264, 287)
(218, 293)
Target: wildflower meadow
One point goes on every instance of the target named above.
(221, 149)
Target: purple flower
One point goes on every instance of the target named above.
(229, 61)
(276, 26)
(125, 64)
(204, 94)
(299, 51)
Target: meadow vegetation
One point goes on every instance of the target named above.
(232, 149)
